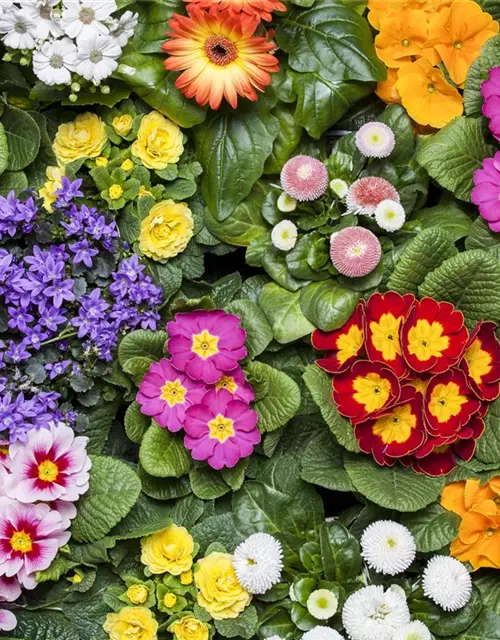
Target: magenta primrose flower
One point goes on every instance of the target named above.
(221, 430)
(490, 90)
(52, 465)
(165, 393)
(205, 344)
(235, 382)
(486, 191)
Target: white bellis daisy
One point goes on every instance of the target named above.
(373, 613)
(322, 604)
(286, 203)
(284, 235)
(258, 562)
(375, 140)
(388, 547)
(416, 630)
(447, 582)
(390, 215)
(322, 633)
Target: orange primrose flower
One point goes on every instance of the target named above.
(379, 9)
(460, 497)
(386, 90)
(478, 540)
(219, 56)
(261, 9)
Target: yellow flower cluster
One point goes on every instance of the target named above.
(417, 35)
(85, 137)
(159, 142)
(189, 628)
(168, 551)
(167, 230)
(132, 622)
(48, 191)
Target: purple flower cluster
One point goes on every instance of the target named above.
(15, 216)
(490, 90)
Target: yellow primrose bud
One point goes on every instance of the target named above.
(137, 593)
(187, 577)
(101, 161)
(122, 124)
(169, 600)
(76, 579)
(115, 192)
(127, 165)
(143, 191)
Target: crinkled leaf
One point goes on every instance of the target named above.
(217, 528)
(244, 626)
(488, 445)
(23, 138)
(142, 344)
(481, 237)
(207, 483)
(163, 454)
(479, 71)
(253, 320)
(448, 215)
(433, 528)
(322, 463)
(146, 516)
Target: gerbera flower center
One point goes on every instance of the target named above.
(221, 428)
(21, 542)
(205, 344)
(86, 15)
(48, 471)
(173, 392)
(226, 382)
(220, 50)
(56, 61)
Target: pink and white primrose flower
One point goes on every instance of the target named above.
(10, 589)
(4, 454)
(205, 344)
(221, 430)
(7, 620)
(67, 511)
(30, 536)
(53, 464)
(235, 382)
(166, 393)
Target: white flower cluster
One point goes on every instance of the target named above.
(67, 37)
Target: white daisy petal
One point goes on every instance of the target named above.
(19, 29)
(416, 630)
(390, 215)
(54, 62)
(284, 235)
(322, 604)
(388, 547)
(372, 613)
(96, 57)
(447, 582)
(258, 562)
(375, 140)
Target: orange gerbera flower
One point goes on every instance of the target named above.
(403, 38)
(219, 56)
(261, 9)
(386, 90)
(380, 9)
(426, 95)
(458, 33)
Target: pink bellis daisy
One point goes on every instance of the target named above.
(486, 191)
(375, 140)
(366, 194)
(30, 536)
(8, 620)
(235, 382)
(490, 91)
(10, 589)
(205, 344)
(355, 251)
(221, 430)
(51, 465)
(304, 178)
(165, 393)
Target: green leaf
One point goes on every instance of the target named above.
(146, 517)
(281, 401)
(253, 320)
(320, 387)
(392, 487)
(332, 40)
(340, 553)
(36, 172)
(449, 215)
(328, 305)
(163, 454)
(244, 626)
(397, 119)
(226, 288)
(427, 251)
(283, 312)
(310, 246)
(481, 237)
(453, 154)
(478, 73)
(149, 33)
(42, 625)
(100, 418)
(207, 483)
(114, 489)
(164, 488)
(433, 528)
(470, 281)
(136, 423)
(485, 627)
(452, 622)
(232, 149)
(288, 138)
(489, 586)
(142, 344)
(218, 528)
(275, 264)
(322, 463)
(488, 445)
(13, 181)
(23, 138)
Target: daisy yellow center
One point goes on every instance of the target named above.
(397, 426)
(115, 192)
(48, 471)
(226, 382)
(349, 344)
(220, 50)
(446, 401)
(205, 344)
(356, 250)
(426, 340)
(221, 428)
(21, 542)
(385, 336)
(372, 391)
(478, 361)
(304, 172)
(322, 603)
(173, 392)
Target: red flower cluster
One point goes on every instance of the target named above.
(412, 381)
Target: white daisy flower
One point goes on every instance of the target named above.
(18, 28)
(124, 28)
(416, 630)
(375, 140)
(339, 187)
(96, 58)
(388, 547)
(322, 633)
(373, 613)
(274, 638)
(286, 203)
(447, 582)
(390, 215)
(54, 62)
(284, 235)
(258, 562)
(82, 19)
(322, 604)
(41, 12)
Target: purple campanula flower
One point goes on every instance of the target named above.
(83, 252)
(59, 292)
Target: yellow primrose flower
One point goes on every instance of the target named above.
(220, 593)
(101, 161)
(143, 191)
(85, 137)
(187, 577)
(137, 593)
(115, 192)
(54, 182)
(76, 579)
(166, 231)
(169, 600)
(123, 124)
(159, 141)
(189, 628)
(170, 550)
(131, 622)
(127, 165)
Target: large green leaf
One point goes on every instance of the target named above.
(340, 553)
(471, 281)
(282, 309)
(142, 344)
(13, 181)
(391, 487)
(453, 154)
(488, 445)
(290, 131)
(217, 528)
(114, 489)
(146, 516)
(244, 626)
(232, 148)
(163, 454)
(23, 138)
(478, 73)
(328, 305)
(449, 215)
(433, 528)
(42, 625)
(322, 463)
(207, 483)
(481, 237)
(332, 40)
(485, 627)
(149, 33)
(489, 586)
(253, 320)
(100, 418)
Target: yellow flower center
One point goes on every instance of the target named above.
(220, 50)
(446, 401)
(187, 577)
(48, 471)
(115, 192)
(426, 340)
(127, 165)
(322, 603)
(221, 428)
(457, 44)
(205, 344)
(356, 250)
(372, 391)
(349, 344)
(226, 382)
(101, 161)
(431, 87)
(304, 172)
(76, 579)
(397, 426)
(385, 336)
(169, 600)
(4, 449)
(405, 43)
(21, 541)
(173, 392)
(478, 360)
